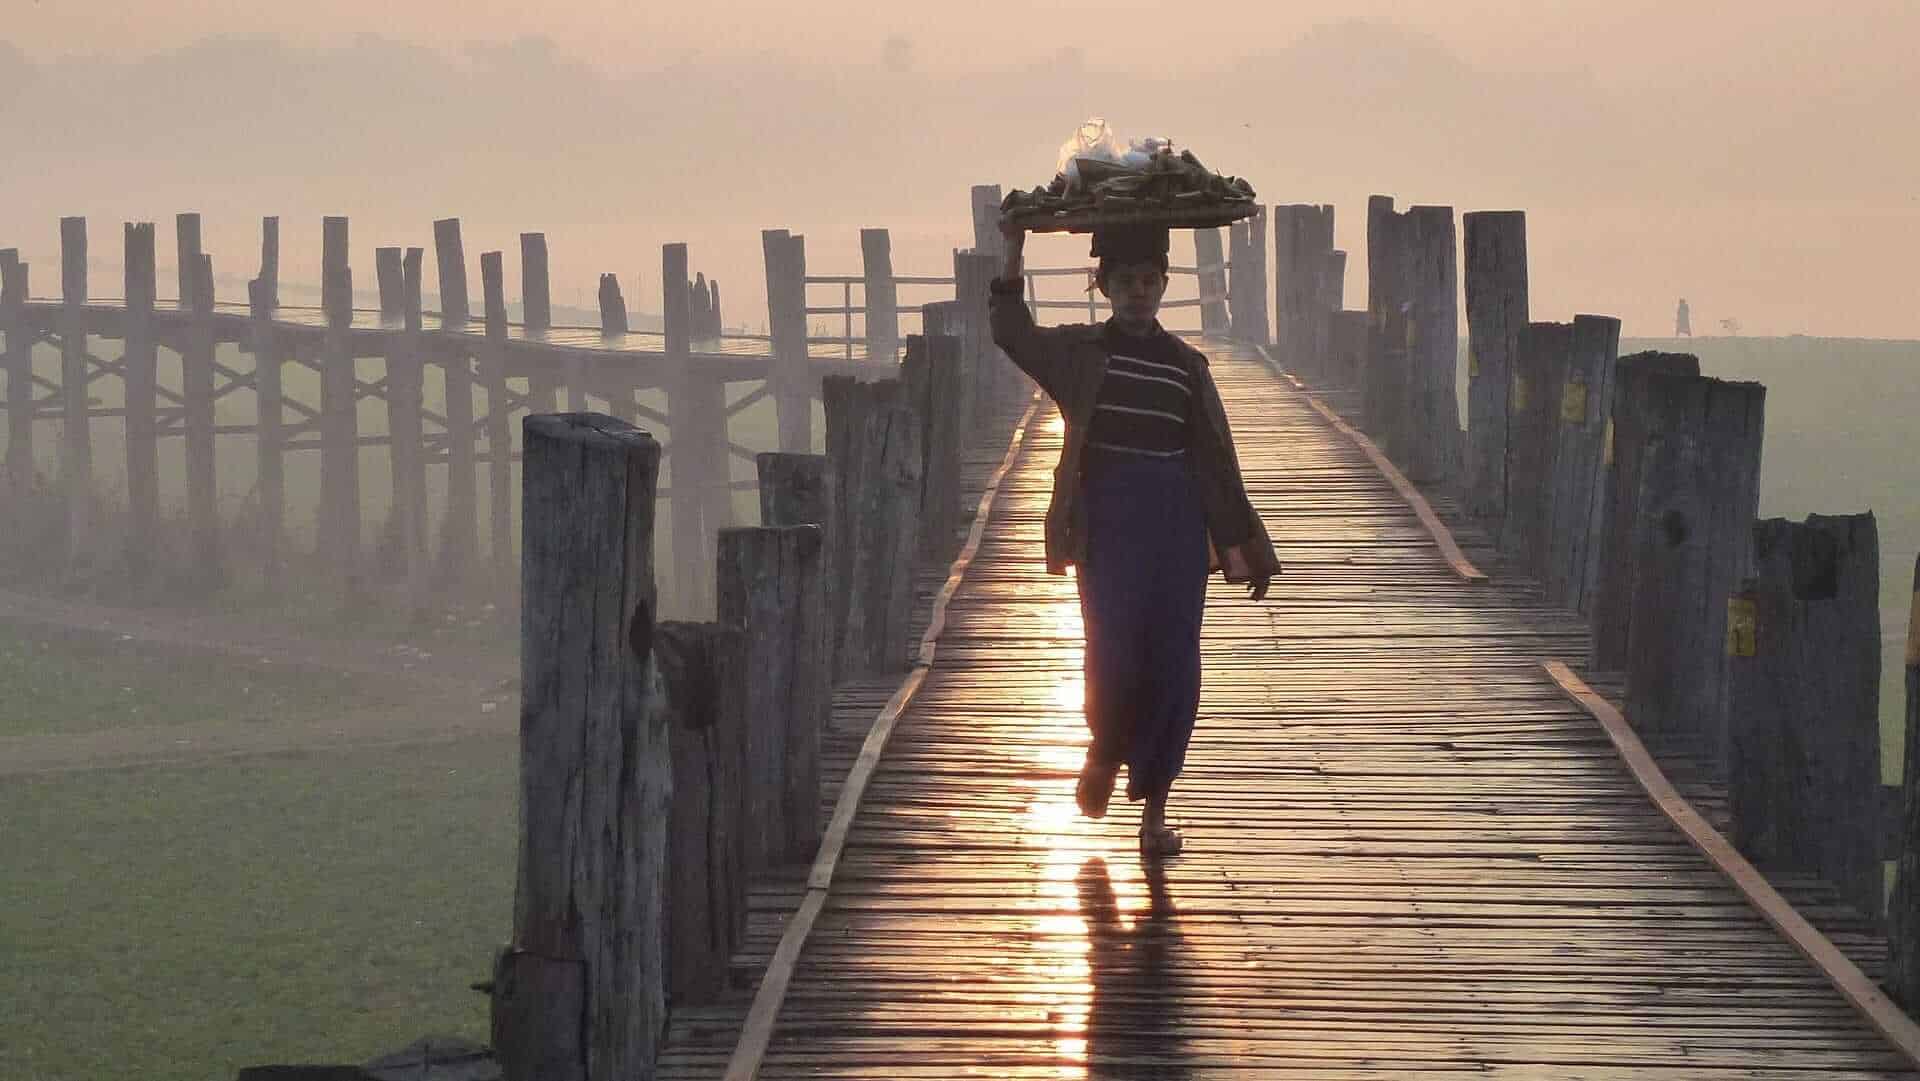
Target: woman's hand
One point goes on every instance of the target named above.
(1238, 568)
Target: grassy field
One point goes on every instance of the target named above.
(178, 923)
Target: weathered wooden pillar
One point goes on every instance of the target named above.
(535, 296)
(19, 367)
(986, 200)
(1573, 525)
(406, 444)
(339, 531)
(700, 308)
(1255, 327)
(493, 371)
(186, 233)
(769, 582)
(141, 390)
(1903, 918)
(791, 373)
(882, 530)
(715, 321)
(1538, 371)
(269, 426)
(842, 400)
(460, 526)
(1210, 265)
(613, 306)
(388, 271)
(579, 994)
(1333, 295)
(882, 297)
(1624, 445)
(1692, 543)
(801, 489)
(1433, 347)
(76, 441)
(450, 255)
(691, 473)
(982, 367)
(931, 371)
(1383, 384)
(1302, 241)
(1496, 259)
(1347, 349)
(196, 379)
(269, 264)
(703, 679)
(1803, 729)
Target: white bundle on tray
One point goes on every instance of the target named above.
(1095, 140)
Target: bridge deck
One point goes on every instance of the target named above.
(1407, 856)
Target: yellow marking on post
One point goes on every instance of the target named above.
(1573, 403)
(1413, 333)
(1517, 394)
(1743, 620)
(1473, 360)
(1606, 452)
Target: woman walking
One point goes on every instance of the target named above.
(1147, 502)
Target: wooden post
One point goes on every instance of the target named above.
(986, 200)
(451, 257)
(769, 582)
(1539, 369)
(1384, 380)
(1623, 447)
(1903, 919)
(790, 376)
(269, 420)
(882, 535)
(269, 264)
(980, 359)
(387, 268)
(460, 526)
(579, 995)
(19, 365)
(1692, 547)
(339, 423)
(715, 321)
(1333, 295)
(1255, 328)
(1210, 263)
(613, 306)
(186, 232)
(1348, 349)
(932, 375)
(796, 489)
(1580, 424)
(1496, 260)
(703, 679)
(1433, 347)
(702, 309)
(1803, 739)
(196, 378)
(881, 296)
(1302, 240)
(76, 378)
(690, 471)
(842, 401)
(535, 299)
(141, 391)
(493, 370)
(406, 370)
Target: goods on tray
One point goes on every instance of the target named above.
(1149, 183)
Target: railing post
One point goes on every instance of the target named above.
(801, 489)
(1302, 241)
(790, 371)
(141, 390)
(19, 365)
(769, 582)
(1803, 739)
(269, 264)
(339, 426)
(1496, 259)
(1433, 346)
(1538, 372)
(979, 358)
(76, 444)
(579, 994)
(186, 232)
(881, 295)
(1623, 448)
(932, 374)
(450, 256)
(1573, 524)
(1903, 919)
(1385, 375)
(1692, 547)
(703, 679)
(1255, 329)
(882, 508)
(613, 306)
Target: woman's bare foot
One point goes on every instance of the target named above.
(1095, 787)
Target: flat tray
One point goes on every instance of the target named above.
(1210, 215)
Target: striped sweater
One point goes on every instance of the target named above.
(1146, 400)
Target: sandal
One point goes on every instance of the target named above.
(1095, 788)
(1164, 841)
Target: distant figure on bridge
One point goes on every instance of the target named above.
(1147, 502)
(1683, 320)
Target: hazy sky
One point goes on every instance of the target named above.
(1760, 159)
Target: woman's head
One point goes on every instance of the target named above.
(1133, 270)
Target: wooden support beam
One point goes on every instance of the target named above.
(716, 321)
(1434, 438)
(270, 421)
(613, 306)
(1692, 547)
(692, 470)
(931, 371)
(406, 393)
(19, 369)
(536, 301)
(882, 296)
(269, 263)
(785, 257)
(1384, 380)
(339, 531)
(703, 678)
(386, 267)
(460, 526)
(186, 232)
(1903, 918)
(450, 255)
(579, 995)
(205, 558)
(769, 582)
(1803, 740)
(1496, 261)
(1573, 512)
(1623, 448)
(493, 372)
(76, 442)
(140, 380)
